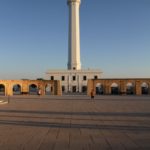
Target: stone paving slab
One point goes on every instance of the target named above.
(75, 123)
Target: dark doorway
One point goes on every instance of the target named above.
(74, 89)
(2, 89)
(33, 90)
(144, 90)
(63, 88)
(130, 91)
(17, 89)
(99, 91)
(84, 89)
(114, 90)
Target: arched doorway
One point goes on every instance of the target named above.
(33, 89)
(48, 89)
(144, 88)
(114, 89)
(2, 89)
(99, 89)
(129, 89)
(16, 89)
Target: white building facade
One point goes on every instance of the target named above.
(74, 79)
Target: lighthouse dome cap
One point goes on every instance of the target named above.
(70, 1)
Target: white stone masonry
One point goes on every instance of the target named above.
(74, 35)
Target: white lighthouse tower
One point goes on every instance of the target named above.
(74, 35)
(74, 80)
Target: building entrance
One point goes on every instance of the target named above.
(84, 89)
(74, 89)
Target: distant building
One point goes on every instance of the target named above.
(73, 80)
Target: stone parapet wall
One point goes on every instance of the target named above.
(7, 86)
(106, 85)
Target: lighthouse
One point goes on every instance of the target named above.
(74, 35)
(74, 79)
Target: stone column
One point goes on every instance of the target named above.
(122, 87)
(138, 88)
(107, 89)
(57, 88)
(149, 88)
(9, 89)
(90, 87)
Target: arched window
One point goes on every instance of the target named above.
(99, 89)
(114, 89)
(130, 88)
(2, 89)
(144, 88)
(33, 89)
(16, 89)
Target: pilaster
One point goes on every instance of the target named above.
(90, 87)
(107, 89)
(138, 88)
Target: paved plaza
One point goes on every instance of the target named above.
(75, 123)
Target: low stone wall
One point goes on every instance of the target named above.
(122, 85)
(6, 86)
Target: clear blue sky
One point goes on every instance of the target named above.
(115, 37)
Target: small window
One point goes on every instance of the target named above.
(95, 77)
(84, 78)
(74, 78)
(63, 78)
(52, 77)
